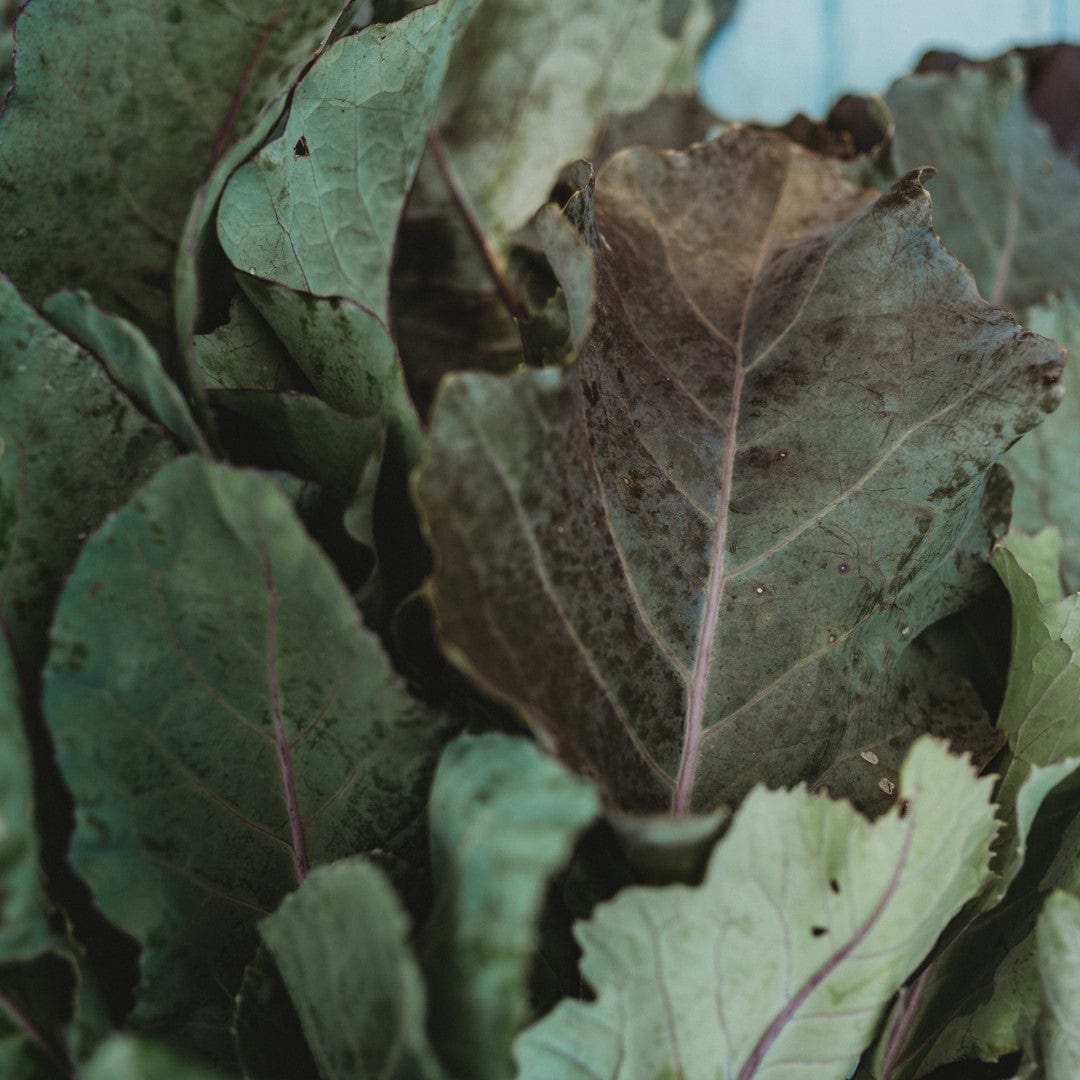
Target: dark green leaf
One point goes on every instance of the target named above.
(224, 721)
(131, 361)
(73, 448)
(103, 145)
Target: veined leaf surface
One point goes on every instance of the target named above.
(1006, 199)
(142, 98)
(808, 920)
(224, 721)
(692, 561)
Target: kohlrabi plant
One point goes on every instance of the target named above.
(504, 573)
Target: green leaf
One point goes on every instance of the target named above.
(131, 361)
(71, 449)
(1058, 958)
(341, 943)
(1044, 461)
(530, 87)
(693, 561)
(243, 353)
(504, 819)
(126, 1057)
(1005, 201)
(809, 919)
(317, 209)
(979, 999)
(243, 726)
(141, 124)
(350, 358)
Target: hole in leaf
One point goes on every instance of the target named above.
(301, 148)
(905, 806)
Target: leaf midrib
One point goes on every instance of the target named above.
(693, 731)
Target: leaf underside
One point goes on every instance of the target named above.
(692, 562)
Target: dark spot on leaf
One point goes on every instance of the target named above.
(834, 885)
(300, 150)
(817, 931)
(905, 806)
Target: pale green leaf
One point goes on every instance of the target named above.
(224, 720)
(317, 209)
(1058, 958)
(531, 85)
(809, 919)
(504, 819)
(979, 999)
(341, 943)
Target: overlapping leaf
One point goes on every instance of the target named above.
(342, 945)
(808, 920)
(692, 561)
(980, 998)
(224, 721)
(73, 448)
(1044, 461)
(317, 209)
(1006, 199)
(142, 99)
(503, 821)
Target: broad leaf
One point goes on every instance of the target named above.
(224, 721)
(692, 562)
(1044, 461)
(342, 945)
(504, 819)
(317, 209)
(73, 448)
(141, 123)
(530, 88)
(131, 361)
(808, 920)
(1005, 201)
